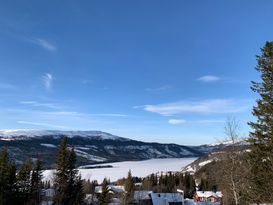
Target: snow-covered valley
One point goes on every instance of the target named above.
(138, 168)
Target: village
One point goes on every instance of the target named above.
(145, 102)
(115, 194)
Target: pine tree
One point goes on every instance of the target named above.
(203, 186)
(75, 188)
(24, 182)
(8, 194)
(104, 197)
(68, 184)
(129, 188)
(61, 177)
(36, 183)
(189, 185)
(261, 137)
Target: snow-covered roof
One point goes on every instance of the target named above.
(142, 195)
(113, 188)
(165, 198)
(207, 194)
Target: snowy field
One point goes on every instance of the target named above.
(138, 168)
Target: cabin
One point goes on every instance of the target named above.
(142, 197)
(208, 196)
(167, 199)
(152, 198)
(112, 189)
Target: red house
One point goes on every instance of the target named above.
(207, 196)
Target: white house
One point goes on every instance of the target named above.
(167, 199)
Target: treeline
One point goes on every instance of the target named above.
(170, 182)
(24, 186)
(21, 186)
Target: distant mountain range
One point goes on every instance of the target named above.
(92, 147)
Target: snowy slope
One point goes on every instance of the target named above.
(26, 133)
(90, 146)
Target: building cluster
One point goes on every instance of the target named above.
(144, 197)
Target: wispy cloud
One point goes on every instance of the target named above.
(182, 121)
(161, 88)
(43, 43)
(209, 78)
(47, 81)
(81, 114)
(7, 86)
(38, 104)
(176, 121)
(109, 115)
(209, 106)
(41, 124)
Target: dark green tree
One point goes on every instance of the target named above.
(104, 198)
(75, 186)
(67, 184)
(129, 188)
(24, 182)
(8, 192)
(36, 183)
(261, 136)
(204, 185)
(61, 177)
(189, 185)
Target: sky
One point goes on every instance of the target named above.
(163, 71)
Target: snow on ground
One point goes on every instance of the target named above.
(138, 168)
(191, 202)
(201, 164)
(48, 145)
(89, 156)
(34, 133)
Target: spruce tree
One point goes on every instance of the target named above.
(24, 182)
(75, 187)
(67, 184)
(189, 185)
(8, 191)
(104, 197)
(261, 136)
(61, 177)
(129, 188)
(36, 182)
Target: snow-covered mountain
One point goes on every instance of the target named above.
(90, 146)
(26, 133)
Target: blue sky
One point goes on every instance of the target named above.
(165, 71)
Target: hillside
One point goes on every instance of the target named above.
(91, 147)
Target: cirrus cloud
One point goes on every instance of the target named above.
(209, 106)
(43, 43)
(176, 121)
(181, 121)
(47, 81)
(209, 78)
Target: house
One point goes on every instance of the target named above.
(208, 196)
(167, 199)
(111, 188)
(142, 197)
(146, 197)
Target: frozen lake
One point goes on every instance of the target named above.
(138, 168)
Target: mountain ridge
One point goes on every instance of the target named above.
(91, 147)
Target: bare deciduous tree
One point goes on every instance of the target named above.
(233, 170)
